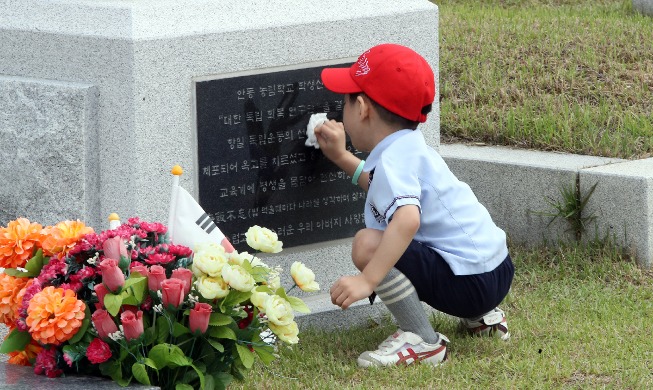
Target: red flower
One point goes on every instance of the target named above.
(199, 317)
(103, 323)
(83, 274)
(156, 275)
(98, 351)
(154, 227)
(180, 250)
(46, 364)
(132, 324)
(147, 303)
(184, 275)
(244, 323)
(112, 275)
(172, 292)
(160, 258)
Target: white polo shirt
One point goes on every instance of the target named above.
(404, 170)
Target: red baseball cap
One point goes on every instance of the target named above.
(394, 76)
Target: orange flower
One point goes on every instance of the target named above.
(18, 241)
(63, 236)
(54, 315)
(9, 288)
(26, 357)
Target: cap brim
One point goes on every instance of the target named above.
(339, 80)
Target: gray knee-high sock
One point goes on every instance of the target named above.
(399, 296)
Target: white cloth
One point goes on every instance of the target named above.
(315, 121)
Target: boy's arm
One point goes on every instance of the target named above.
(396, 238)
(332, 139)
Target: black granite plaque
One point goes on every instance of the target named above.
(254, 167)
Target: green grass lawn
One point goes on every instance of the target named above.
(580, 317)
(564, 75)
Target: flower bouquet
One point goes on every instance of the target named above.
(130, 305)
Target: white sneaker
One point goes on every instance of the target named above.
(405, 348)
(492, 324)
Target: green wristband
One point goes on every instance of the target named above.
(357, 173)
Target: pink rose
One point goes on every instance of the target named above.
(112, 275)
(115, 248)
(132, 325)
(173, 292)
(98, 351)
(103, 323)
(100, 290)
(138, 267)
(199, 317)
(184, 275)
(156, 275)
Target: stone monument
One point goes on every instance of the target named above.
(100, 99)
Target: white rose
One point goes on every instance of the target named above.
(286, 333)
(263, 239)
(238, 278)
(208, 259)
(211, 288)
(274, 283)
(259, 298)
(236, 258)
(279, 311)
(304, 277)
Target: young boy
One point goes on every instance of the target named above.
(427, 238)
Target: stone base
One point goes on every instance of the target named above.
(643, 6)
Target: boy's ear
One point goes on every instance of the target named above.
(364, 106)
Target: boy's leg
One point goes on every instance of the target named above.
(395, 290)
(399, 296)
(416, 340)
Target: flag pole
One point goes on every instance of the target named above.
(176, 172)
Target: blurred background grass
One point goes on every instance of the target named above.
(566, 75)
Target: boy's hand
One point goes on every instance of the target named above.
(332, 139)
(350, 289)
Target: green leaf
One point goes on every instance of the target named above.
(265, 353)
(234, 298)
(16, 273)
(137, 287)
(178, 329)
(112, 302)
(183, 386)
(219, 319)
(215, 344)
(162, 329)
(246, 356)
(35, 264)
(140, 373)
(112, 369)
(222, 332)
(150, 363)
(209, 384)
(168, 355)
(200, 374)
(82, 330)
(298, 305)
(15, 341)
(222, 380)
